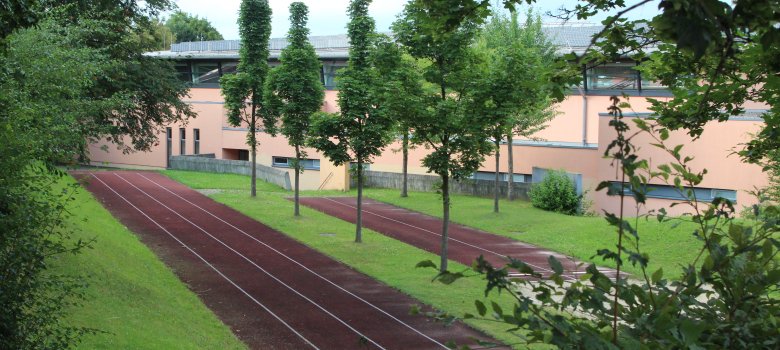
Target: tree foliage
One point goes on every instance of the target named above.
(401, 93)
(70, 72)
(186, 27)
(556, 192)
(293, 90)
(514, 86)
(243, 91)
(361, 130)
(724, 298)
(715, 57)
(452, 126)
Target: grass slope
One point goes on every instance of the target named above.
(131, 294)
(387, 260)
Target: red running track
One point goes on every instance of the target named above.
(273, 291)
(465, 243)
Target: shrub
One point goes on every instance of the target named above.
(555, 193)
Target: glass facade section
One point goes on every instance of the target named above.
(229, 67)
(616, 76)
(673, 193)
(183, 71)
(286, 162)
(205, 73)
(330, 74)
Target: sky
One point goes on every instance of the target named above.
(329, 17)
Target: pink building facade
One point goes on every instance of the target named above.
(574, 141)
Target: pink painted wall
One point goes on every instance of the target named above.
(726, 171)
(568, 124)
(713, 151)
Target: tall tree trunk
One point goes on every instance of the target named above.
(297, 179)
(405, 149)
(253, 147)
(445, 224)
(511, 167)
(496, 190)
(359, 223)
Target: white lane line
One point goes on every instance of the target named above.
(209, 265)
(299, 264)
(255, 265)
(438, 234)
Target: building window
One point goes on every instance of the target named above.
(243, 155)
(613, 76)
(182, 141)
(228, 68)
(672, 193)
(196, 141)
(205, 73)
(503, 177)
(183, 71)
(330, 74)
(168, 146)
(287, 162)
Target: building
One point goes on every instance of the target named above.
(574, 141)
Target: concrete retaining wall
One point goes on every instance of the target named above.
(430, 183)
(207, 163)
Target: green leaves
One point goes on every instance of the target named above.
(186, 27)
(481, 308)
(555, 265)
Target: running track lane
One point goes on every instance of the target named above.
(272, 290)
(424, 231)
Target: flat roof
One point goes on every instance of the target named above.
(568, 37)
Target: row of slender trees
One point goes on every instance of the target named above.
(450, 90)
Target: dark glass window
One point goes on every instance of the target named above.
(205, 73)
(182, 141)
(671, 192)
(286, 162)
(183, 71)
(229, 67)
(243, 154)
(330, 74)
(614, 76)
(489, 175)
(196, 141)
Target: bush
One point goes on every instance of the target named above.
(556, 193)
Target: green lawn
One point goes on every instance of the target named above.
(668, 246)
(392, 262)
(385, 259)
(131, 295)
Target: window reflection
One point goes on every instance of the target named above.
(205, 73)
(615, 76)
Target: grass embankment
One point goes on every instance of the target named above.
(385, 259)
(131, 295)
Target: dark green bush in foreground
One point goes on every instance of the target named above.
(555, 193)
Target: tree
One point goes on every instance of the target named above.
(68, 75)
(361, 130)
(400, 95)
(714, 56)
(453, 128)
(243, 91)
(39, 125)
(191, 28)
(162, 36)
(513, 88)
(294, 91)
